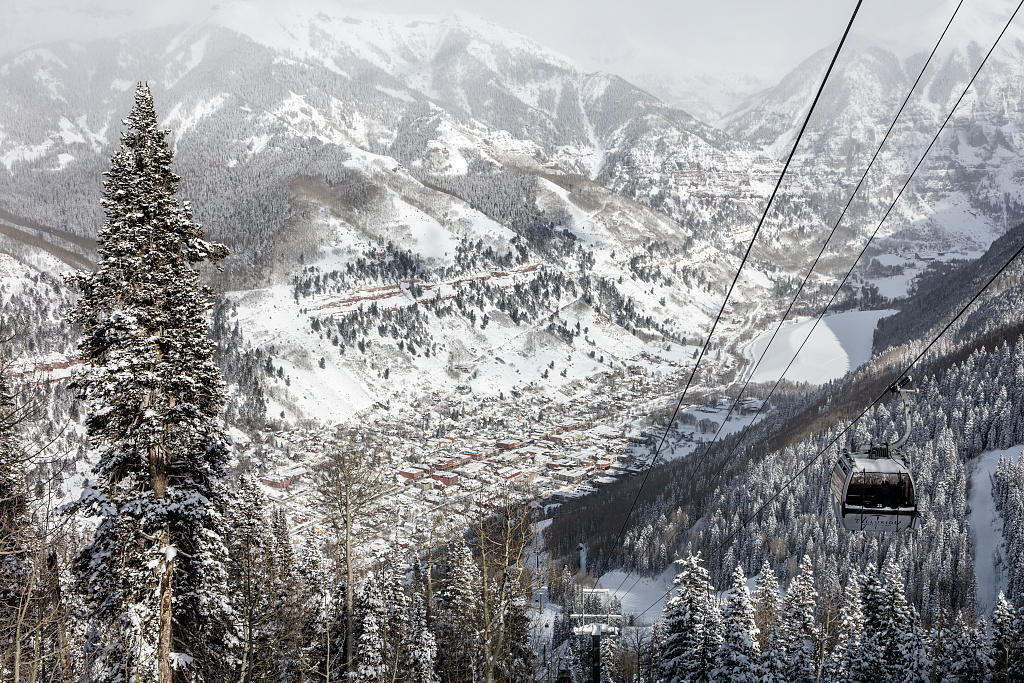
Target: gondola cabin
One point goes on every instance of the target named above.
(872, 489)
(873, 492)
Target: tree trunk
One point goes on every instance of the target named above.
(247, 619)
(164, 644)
(349, 592)
(158, 468)
(58, 605)
(430, 579)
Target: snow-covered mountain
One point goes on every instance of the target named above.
(310, 140)
(707, 97)
(967, 192)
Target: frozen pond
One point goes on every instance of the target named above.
(840, 343)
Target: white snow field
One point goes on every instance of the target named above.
(641, 595)
(988, 529)
(840, 343)
(685, 439)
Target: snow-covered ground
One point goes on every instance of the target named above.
(988, 529)
(688, 438)
(639, 595)
(896, 286)
(840, 343)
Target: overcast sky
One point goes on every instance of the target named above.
(663, 38)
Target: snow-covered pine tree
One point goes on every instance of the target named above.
(518, 662)
(575, 658)
(397, 611)
(261, 585)
(843, 660)
(1005, 641)
(154, 574)
(289, 616)
(907, 659)
(320, 606)
(692, 626)
(608, 654)
(249, 543)
(766, 603)
(965, 656)
(872, 651)
(893, 646)
(655, 649)
(420, 650)
(913, 648)
(775, 656)
(739, 657)
(459, 623)
(798, 621)
(768, 618)
(370, 644)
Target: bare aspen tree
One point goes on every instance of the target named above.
(501, 534)
(34, 640)
(349, 484)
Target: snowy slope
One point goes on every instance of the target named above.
(987, 528)
(309, 136)
(638, 593)
(839, 344)
(967, 192)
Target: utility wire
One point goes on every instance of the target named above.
(703, 458)
(807, 276)
(885, 392)
(923, 351)
(736, 278)
(849, 272)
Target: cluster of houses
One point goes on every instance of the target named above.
(451, 473)
(464, 453)
(562, 462)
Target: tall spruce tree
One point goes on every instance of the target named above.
(320, 610)
(458, 625)
(153, 575)
(842, 663)
(872, 657)
(420, 652)
(739, 657)
(397, 611)
(371, 640)
(609, 653)
(257, 578)
(692, 626)
(767, 607)
(774, 656)
(893, 646)
(966, 656)
(798, 619)
(1005, 639)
